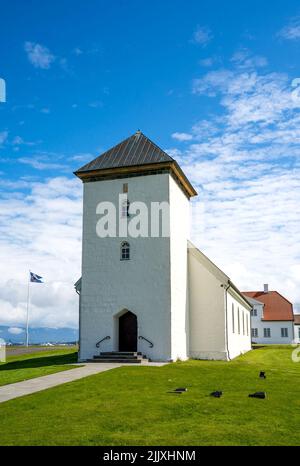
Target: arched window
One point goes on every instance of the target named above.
(125, 208)
(125, 251)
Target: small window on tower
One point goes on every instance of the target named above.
(125, 251)
(125, 208)
(125, 187)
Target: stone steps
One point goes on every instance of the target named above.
(124, 357)
(119, 354)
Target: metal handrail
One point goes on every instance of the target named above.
(99, 342)
(150, 342)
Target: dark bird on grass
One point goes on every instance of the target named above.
(216, 394)
(261, 395)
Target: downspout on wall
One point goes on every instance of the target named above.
(226, 321)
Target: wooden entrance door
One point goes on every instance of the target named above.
(128, 332)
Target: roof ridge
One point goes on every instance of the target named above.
(135, 154)
(128, 152)
(270, 291)
(156, 145)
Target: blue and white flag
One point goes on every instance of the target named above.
(35, 278)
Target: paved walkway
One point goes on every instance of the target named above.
(14, 390)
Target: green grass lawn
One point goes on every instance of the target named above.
(132, 406)
(28, 366)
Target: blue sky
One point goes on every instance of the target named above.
(210, 84)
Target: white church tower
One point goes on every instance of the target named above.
(133, 291)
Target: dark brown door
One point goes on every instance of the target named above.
(128, 332)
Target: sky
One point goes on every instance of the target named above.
(212, 83)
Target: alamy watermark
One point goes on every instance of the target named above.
(125, 219)
(2, 90)
(133, 219)
(296, 353)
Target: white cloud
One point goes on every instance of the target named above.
(39, 55)
(182, 137)
(84, 157)
(78, 51)
(202, 35)
(212, 82)
(96, 104)
(291, 31)
(207, 62)
(15, 330)
(243, 58)
(3, 137)
(245, 164)
(40, 230)
(42, 163)
(19, 141)
(93, 50)
(249, 97)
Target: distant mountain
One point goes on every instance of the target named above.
(38, 335)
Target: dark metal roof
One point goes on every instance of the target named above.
(135, 150)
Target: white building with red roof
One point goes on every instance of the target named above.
(272, 317)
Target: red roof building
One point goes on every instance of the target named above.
(276, 306)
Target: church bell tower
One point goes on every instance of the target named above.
(133, 290)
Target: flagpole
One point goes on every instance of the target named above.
(27, 317)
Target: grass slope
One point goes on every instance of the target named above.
(132, 406)
(28, 366)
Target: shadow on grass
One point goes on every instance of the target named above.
(40, 362)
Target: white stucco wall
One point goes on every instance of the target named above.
(212, 335)
(141, 285)
(275, 327)
(238, 325)
(206, 311)
(179, 227)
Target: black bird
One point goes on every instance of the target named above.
(261, 395)
(216, 394)
(262, 375)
